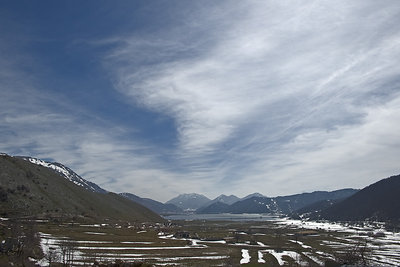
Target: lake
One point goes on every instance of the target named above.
(223, 217)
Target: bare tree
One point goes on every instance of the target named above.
(51, 255)
(21, 241)
(71, 248)
(63, 248)
(354, 255)
(91, 256)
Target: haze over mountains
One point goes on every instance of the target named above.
(51, 188)
(257, 203)
(194, 201)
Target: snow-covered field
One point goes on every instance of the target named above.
(320, 244)
(109, 251)
(383, 246)
(291, 254)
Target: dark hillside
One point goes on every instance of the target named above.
(313, 209)
(153, 205)
(288, 204)
(378, 201)
(27, 189)
(214, 208)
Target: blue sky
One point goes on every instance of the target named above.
(159, 98)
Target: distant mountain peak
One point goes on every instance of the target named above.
(223, 195)
(190, 195)
(225, 199)
(66, 173)
(191, 201)
(253, 195)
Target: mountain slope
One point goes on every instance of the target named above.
(224, 199)
(216, 207)
(153, 205)
(219, 204)
(282, 204)
(27, 189)
(288, 204)
(67, 173)
(378, 201)
(189, 201)
(314, 208)
(254, 205)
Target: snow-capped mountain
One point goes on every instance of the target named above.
(189, 201)
(66, 173)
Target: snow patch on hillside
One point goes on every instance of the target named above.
(66, 173)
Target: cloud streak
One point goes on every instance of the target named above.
(48, 126)
(273, 74)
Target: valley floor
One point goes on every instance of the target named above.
(217, 243)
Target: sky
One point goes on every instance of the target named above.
(159, 98)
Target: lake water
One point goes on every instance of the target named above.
(223, 217)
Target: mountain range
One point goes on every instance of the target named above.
(276, 205)
(194, 201)
(31, 187)
(253, 203)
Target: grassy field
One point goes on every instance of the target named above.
(213, 243)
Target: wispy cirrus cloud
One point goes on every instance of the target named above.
(273, 73)
(98, 151)
(44, 124)
(350, 155)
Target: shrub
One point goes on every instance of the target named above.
(3, 195)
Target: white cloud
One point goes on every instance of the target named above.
(48, 126)
(350, 156)
(274, 73)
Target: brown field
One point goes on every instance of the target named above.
(213, 243)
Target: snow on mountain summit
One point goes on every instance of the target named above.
(66, 173)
